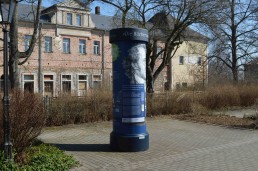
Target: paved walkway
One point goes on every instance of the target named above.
(174, 145)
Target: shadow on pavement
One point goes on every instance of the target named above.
(84, 147)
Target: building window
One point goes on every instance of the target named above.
(199, 62)
(28, 83)
(66, 45)
(158, 51)
(48, 85)
(66, 84)
(82, 46)
(82, 85)
(96, 47)
(96, 81)
(181, 60)
(69, 19)
(78, 19)
(48, 44)
(166, 84)
(184, 85)
(177, 86)
(27, 41)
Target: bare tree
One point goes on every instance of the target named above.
(234, 33)
(123, 6)
(170, 24)
(174, 22)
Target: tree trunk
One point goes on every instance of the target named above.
(235, 75)
(150, 80)
(234, 43)
(14, 54)
(149, 71)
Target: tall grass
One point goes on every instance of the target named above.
(97, 106)
(229, 96)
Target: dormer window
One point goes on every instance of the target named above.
(78, 19)
(69, 19)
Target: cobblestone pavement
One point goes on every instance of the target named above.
(174, 145)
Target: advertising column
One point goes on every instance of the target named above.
(129, 89)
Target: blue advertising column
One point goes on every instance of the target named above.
(129, 90)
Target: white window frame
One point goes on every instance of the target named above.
(27, 40)
(53, 81)
(96, 47)
(69, 21)
(93, 80)
(82, 47)
(48, 44)
(66, 45)
(82, 80)
(64, 80)
(78, 16)
(29, 81)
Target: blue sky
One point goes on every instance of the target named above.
(104, 8)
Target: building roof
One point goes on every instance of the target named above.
(25, 12)
(164, 22)
(102, 22)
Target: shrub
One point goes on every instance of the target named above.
(7, 166)
(40, 157)
(168, 103)
(27, 119)
(46, 157)
(96, 106)
(229, 96)
(248, 95)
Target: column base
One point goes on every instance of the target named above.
(135, 143)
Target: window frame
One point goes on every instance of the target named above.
(48, 48)
(82, 47)
(178, 86)
(96, 47)
(181, 60)
(158, 50)
(66, 46)
(184, 85)
(69, 18)
(66, 80)
(28, 80)
(51, 80)
(80, 22)
(97, 80)
(82, 92)
(27, 41)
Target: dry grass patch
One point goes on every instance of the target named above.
(219, 120)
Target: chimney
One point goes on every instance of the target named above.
(97, 10)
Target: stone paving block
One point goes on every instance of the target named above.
(174, 145)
